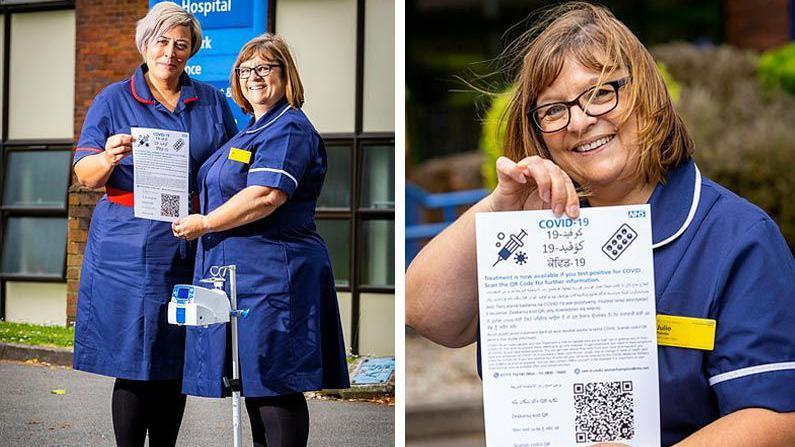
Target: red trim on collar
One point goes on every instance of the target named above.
(191, 99)
(90, 149)
(135, 95)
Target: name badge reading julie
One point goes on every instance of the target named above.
(686, 332)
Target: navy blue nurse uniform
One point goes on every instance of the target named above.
(291, 340)
(130, 265)
(718, 256)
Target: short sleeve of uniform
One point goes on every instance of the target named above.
(753, 363)
(282, 158)
(96, 130)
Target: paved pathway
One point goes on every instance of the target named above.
(30, 415)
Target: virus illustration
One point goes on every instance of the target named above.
(520, 258)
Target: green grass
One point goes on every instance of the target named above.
(32, 334)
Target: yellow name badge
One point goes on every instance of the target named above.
(686, 332)
(241, 155)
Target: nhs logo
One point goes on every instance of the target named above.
(634, 214)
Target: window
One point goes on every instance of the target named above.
(378, 259)
(356, 218)
(378, 176)
(337, 234)
(36, 179)
(26, 250)
(34, 212)
(336, 192)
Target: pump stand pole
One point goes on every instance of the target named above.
(235, 367)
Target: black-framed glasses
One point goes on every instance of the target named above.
(261, 70)
(595, 101)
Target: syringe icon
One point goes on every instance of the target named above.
(510, 247)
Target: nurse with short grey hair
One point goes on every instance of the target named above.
(131, 264)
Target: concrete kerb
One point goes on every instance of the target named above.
(63, 357)
(47, 354)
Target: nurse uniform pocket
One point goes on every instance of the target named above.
(261, 265)
(121, 245)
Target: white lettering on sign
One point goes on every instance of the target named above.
(207, 42)
(193, 70)
(226, 91)
(207, 7)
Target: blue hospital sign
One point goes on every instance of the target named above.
(220, 13)
(226, 25)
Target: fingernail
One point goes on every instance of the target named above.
(558, 210)
(545, 196)
(571, 210)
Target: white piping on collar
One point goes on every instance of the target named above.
(693, 207)
(271, 121)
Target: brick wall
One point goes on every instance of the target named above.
(105, 53)
(757, 24)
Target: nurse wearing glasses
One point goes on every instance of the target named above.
(258, 195)
(591, 110)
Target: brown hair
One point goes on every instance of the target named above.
(596, 39)
(275, 48)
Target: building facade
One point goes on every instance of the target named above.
(58, 55)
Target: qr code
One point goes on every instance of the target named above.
(169, 205)
(604, 411)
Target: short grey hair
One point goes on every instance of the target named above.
(161, 18)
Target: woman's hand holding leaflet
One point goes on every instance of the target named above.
(117, 147)
(533, 183)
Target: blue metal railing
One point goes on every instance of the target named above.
(448, 202)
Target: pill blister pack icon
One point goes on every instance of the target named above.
(178, 145)
(619, 241)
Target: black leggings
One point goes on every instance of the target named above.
(139, 406)
(279, 421)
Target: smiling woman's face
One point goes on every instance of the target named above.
(594, 151)
(262, 92)
(167, 55)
